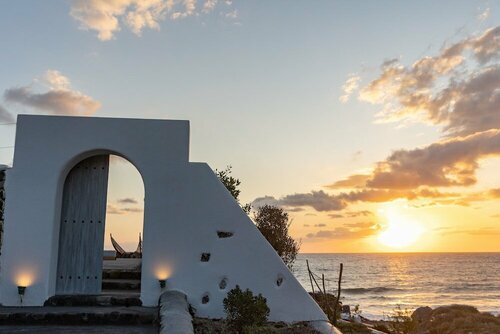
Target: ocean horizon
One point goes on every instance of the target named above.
(379, 282)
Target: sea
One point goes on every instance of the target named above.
(379, 282)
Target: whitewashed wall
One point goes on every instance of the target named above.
(185, 206)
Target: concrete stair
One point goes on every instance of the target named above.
(117, 299)
(119, 288)
(78, 315)
(121, 274)
(118, 306)
(132, 285)
(122, 283)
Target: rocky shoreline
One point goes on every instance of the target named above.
(452, 319)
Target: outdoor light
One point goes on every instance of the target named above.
(20, 291)
(162, 273)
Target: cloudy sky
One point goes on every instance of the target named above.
(376, 125)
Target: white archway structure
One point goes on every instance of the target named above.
(186, 207)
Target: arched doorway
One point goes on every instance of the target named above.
(102, 195)
(124, 222)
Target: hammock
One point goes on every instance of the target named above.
(121, 253)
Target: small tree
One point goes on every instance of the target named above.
(273, 223)
(232, 185)
(401, 321)
(243, 309)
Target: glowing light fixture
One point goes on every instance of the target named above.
(20, 291)
(162, 273)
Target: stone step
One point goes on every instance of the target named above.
(118, 298)
(121, 284)
(118, 293)
(78, 329)
(61, 315)
(121, 274)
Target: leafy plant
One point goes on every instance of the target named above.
(356, 311)
(232, 185)
(244, 309)
(401, 321)
(273, 223)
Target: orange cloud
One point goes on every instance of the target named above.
(115, 210)
(451, 162)
(459, 89)
(353, 181)
(322, 201)
(347, 231)
(490, 230)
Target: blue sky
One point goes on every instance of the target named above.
(259, 81)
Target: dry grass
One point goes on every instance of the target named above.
(327, 304)
(352, 328)
(211, 326)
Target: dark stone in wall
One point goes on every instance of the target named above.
(224, 234)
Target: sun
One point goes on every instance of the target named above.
(400, 231)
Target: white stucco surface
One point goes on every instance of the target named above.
(174, 313)
(185, 206)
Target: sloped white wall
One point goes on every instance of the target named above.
(185, 206)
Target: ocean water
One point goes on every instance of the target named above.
(379, 282)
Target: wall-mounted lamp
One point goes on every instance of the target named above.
(163, 283)
(20, 292)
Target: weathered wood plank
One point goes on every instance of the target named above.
(81, 239)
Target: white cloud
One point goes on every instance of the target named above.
(458, 88)
(351, 84)
(60, 99)
(209, 5)
(232, 14)
(484, 15)
(55, 80)
(107, 17)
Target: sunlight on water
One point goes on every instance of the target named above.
(378, 282)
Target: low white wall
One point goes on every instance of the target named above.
(174, 313)
(185, 206)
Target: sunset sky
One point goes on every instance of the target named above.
(375, 124)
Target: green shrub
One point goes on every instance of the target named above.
(244, 309)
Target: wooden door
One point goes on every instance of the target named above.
(81, 237)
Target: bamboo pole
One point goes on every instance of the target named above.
(338, 295)
(316, 282)
(310, 279)
(325, 295)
